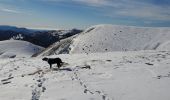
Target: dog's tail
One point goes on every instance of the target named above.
(64, 64)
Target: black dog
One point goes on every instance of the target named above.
(51, 61)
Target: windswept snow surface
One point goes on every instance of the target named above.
(16, 48)
(140, 75)
(104, 38)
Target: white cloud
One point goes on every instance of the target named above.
(85, 2)
(146, 13)
(126, 8)
(143, 10)
(10, 10)
(93, 2)
(130, 8)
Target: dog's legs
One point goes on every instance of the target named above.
(50, 66)
(58, 65)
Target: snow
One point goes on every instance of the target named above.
(111, 38)
(104, 38)
(96, 66)
(137, 75)
(18, 37)
(164, 46)
(62, 46)
(16, 48)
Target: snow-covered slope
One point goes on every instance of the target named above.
(140, 75)
(16, 48)
(108, 38)
(60, 47)
(164, 46)
(104, 38)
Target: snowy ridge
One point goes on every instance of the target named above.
(60, 47)
(107, 38)
(164, 46)
(16, 48)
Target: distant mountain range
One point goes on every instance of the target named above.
(16, 29)
(42, 38)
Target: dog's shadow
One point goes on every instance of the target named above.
(62, 69)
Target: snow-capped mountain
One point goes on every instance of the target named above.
(17, 48)
(108, 38)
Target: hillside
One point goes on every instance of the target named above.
(108, 38)
(16, 48)
(104, 38)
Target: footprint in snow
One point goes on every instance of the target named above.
(7, 80)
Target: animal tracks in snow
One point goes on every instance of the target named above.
(106, 77)
(38, 87)
(88, 90)
(7, 80)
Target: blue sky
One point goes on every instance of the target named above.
(67, 14)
